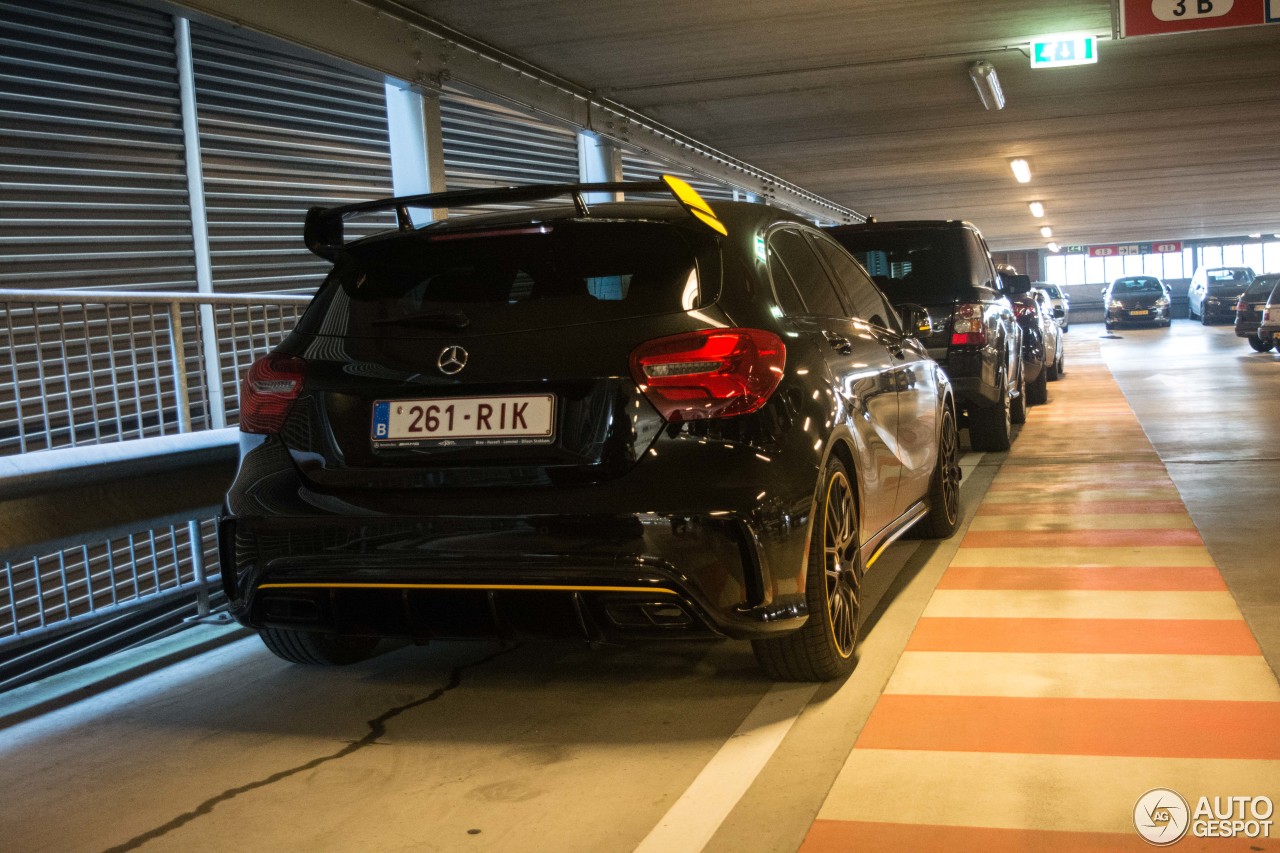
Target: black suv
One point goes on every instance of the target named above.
(945, 266)
(636, 419)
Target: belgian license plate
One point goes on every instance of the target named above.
(464, 421)
(1141, 313)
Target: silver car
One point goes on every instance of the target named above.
(1059, 303)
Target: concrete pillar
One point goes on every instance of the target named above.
(417, 145)
(599, 161)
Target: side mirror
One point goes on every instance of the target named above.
(915, 320)
(1017, 284)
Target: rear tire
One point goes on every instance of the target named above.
(1038, 392)
(1204, 319)
(314, 648)
(822, 649)
(991, 429)
(1258, 344)
(944, 487)
(1018, 405)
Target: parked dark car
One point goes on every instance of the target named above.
(1214, 292)
(1136, 300)
(945, 266)
(1036, 357)
(622, 420)
(1249, 310)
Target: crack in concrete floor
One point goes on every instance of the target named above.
(377, 728)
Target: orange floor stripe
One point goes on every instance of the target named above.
(1171, 578)
(1083, 636)
(1068, 507)
(1162, 537)
(844, 836)
(1170, 728)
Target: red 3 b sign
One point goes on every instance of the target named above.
(1152, 17)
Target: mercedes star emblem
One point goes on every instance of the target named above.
(452, 359)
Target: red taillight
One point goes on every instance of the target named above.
(713, 373)
(268, 392)
(967, 325)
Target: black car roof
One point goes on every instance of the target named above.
(904, 225)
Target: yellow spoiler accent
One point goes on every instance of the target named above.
(694, 203)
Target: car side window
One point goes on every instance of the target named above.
(791, 248)
(855, 286)
(984, 274)
(784, 287)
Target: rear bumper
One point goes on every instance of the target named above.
(607, 562)
(1220, 313)
(602, 578)
(973, 377)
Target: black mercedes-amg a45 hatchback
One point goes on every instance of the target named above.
(633, 419)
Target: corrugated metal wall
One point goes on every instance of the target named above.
(279, 133)
(93, 188)
(641, 166)
(487, 145)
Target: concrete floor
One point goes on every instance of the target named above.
(1211, 407)
(555, 747)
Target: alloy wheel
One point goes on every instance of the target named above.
(950, 453)
(839, 560)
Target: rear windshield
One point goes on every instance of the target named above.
(913, 266)
(515, 278)
(1136, 285)
(1261, 287)
(1230, 278)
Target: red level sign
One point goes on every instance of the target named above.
(1153, 17)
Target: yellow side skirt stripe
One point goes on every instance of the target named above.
(473, 586)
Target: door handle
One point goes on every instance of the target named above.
(839, 344)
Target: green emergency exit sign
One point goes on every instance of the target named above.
(1060, 50)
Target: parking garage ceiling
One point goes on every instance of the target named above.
(870, 105)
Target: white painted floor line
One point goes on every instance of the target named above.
(694, 818)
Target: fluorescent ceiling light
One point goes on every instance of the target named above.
(983, 75)
(1046, 232)
(1255, 236)
(1021, 170)
(1054, 247)
(1037, 209)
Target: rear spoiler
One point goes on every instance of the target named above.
(323, 231)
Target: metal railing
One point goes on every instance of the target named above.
(81, 367)
(85, 367)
